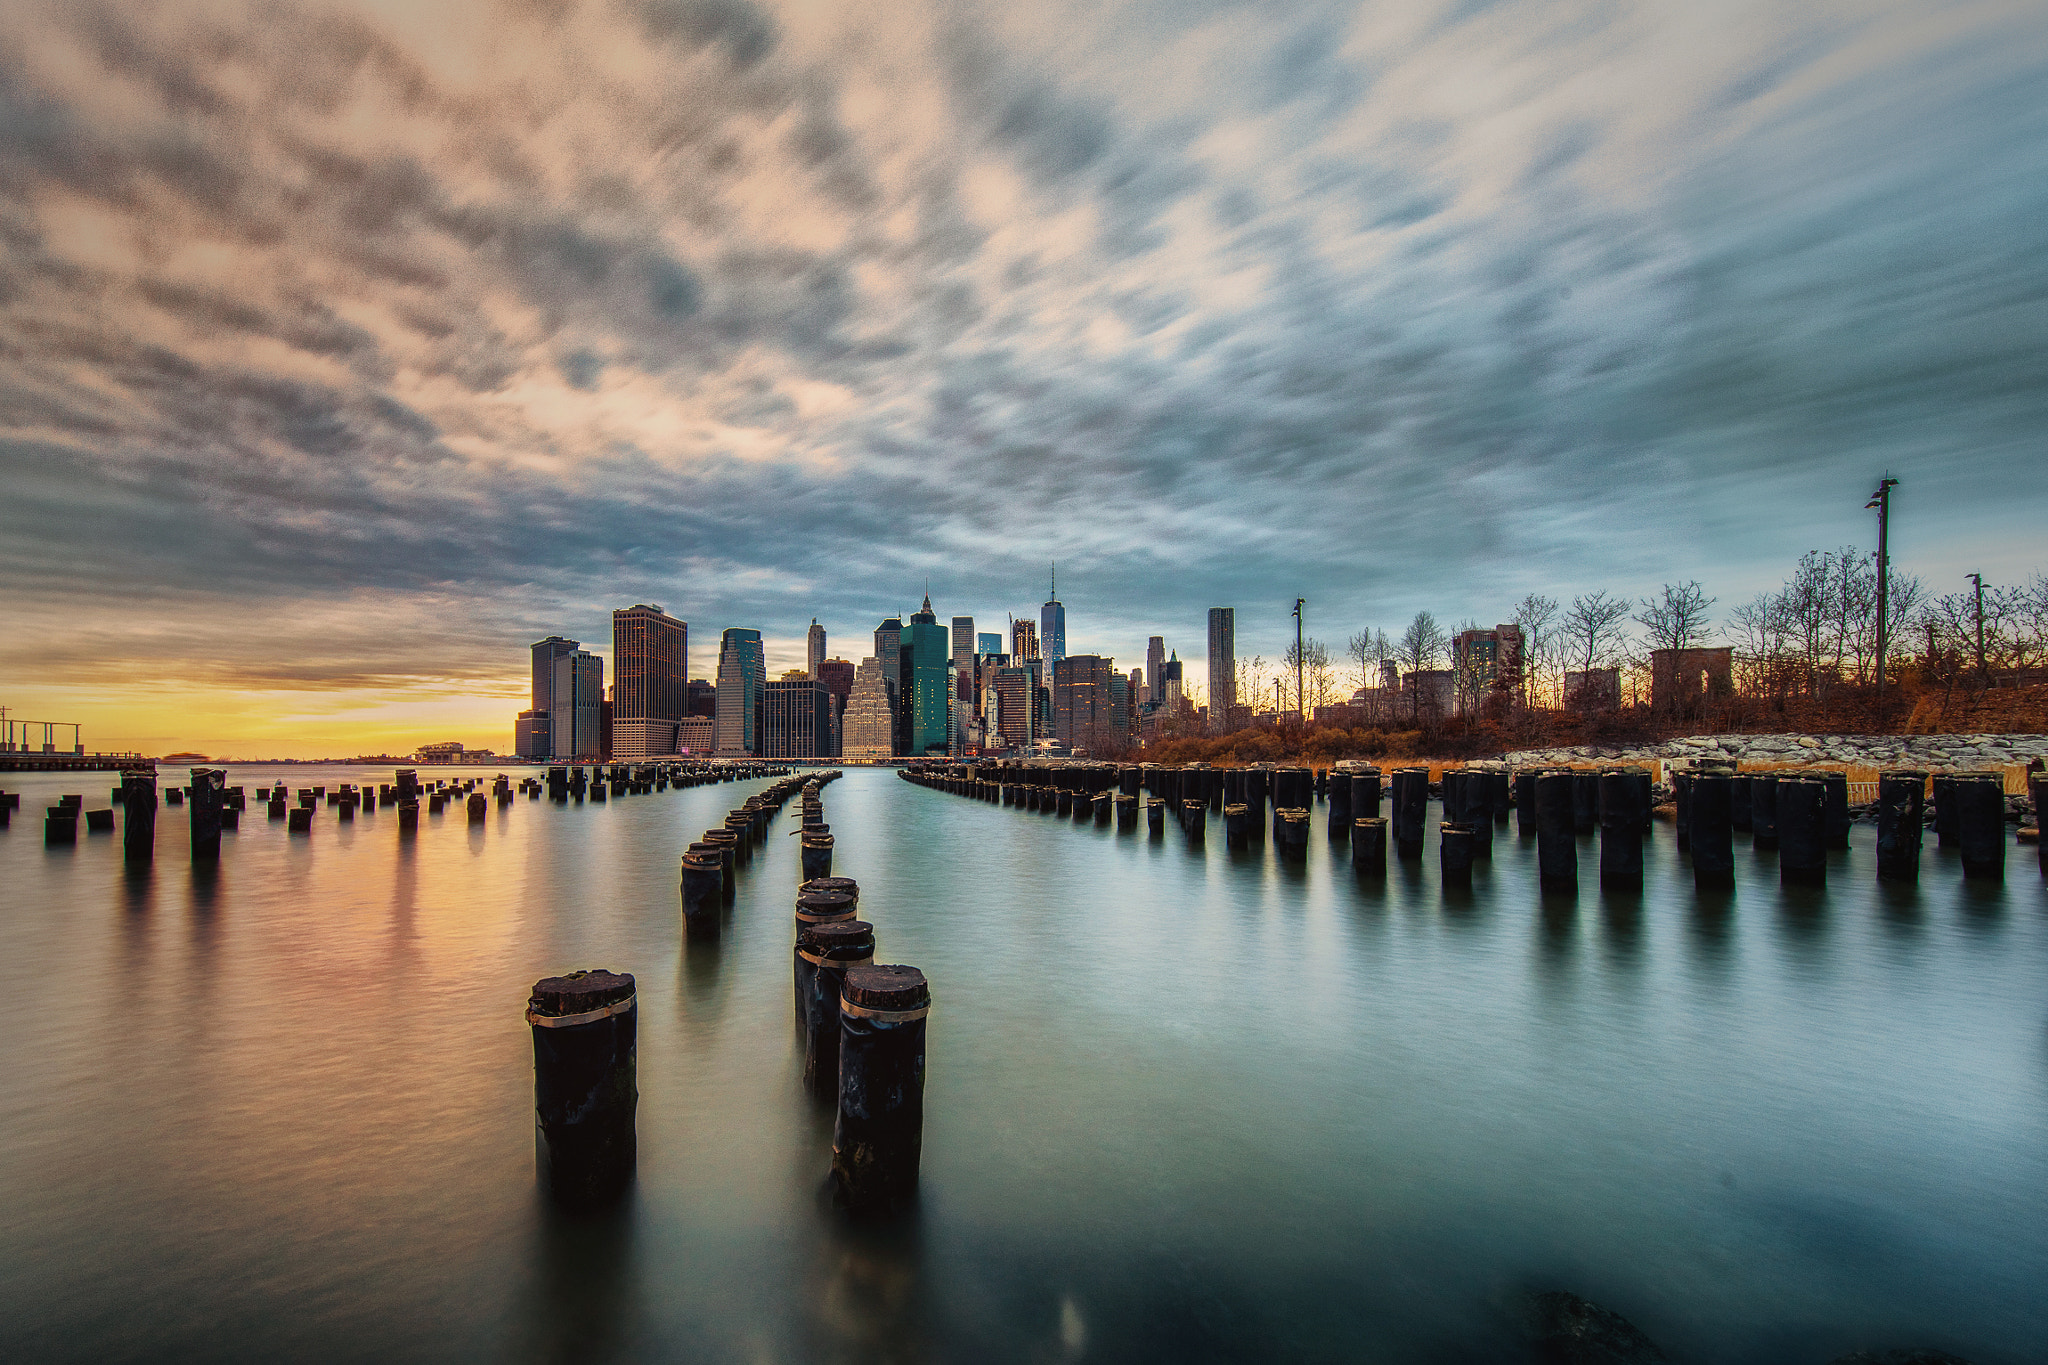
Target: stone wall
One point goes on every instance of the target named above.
(1935, 753)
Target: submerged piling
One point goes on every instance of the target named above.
(703, 892)
(1621, 832)
(1802, 830)
(1980, 826)
(879, 1136)
(1713, 837)
(817, 856)
(1411, 801)
(138, 820)
(1557, 849)
(1454, 852)
(585, 1089)
(1763, 810)
(1369, 845)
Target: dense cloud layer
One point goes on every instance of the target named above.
(356, 346)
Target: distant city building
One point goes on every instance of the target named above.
(889, 652)
(1082, 703)
(1485, 662)
(926, 669)
(1429, 694)
(1170, 692)
(988, 642)
(447, 751)
(650, 680)
(868, 731)
(1141, 694)
(742, 673)
(963, 658)
(696, 736)
(545, 653)
(576, 718)
(701, 698)
(530, 735)
(1023, 642)
(796, 719)
(814, 649)
(837, 675)
(1122, 709)
(1052, 626)
(1155, 668)
(1222, 667)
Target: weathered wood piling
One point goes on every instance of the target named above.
(585, 1088)
(878, 1139)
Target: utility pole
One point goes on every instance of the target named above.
(1300, 710)
(1882, 501)
(1983, 674)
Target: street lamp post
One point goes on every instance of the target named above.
(1882, 501)
(1301, 710)
(1983, 674)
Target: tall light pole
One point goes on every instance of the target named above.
(1300, 710)
(1882, 501)
(1978, 579)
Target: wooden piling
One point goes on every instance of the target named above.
(823, 954)
(878, 1139)
(1557, 846)
(1901, 816)
(1802, 830)
(585, 1089)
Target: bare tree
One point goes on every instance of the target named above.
(1422, 645)
(1534, 614)
(1365, 650)
(1251, 681)
(1318, 677)
(1676, 619)
(1591, 628)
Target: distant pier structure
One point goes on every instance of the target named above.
(30, 746)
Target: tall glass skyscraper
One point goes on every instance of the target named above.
(1222, 666)
(814, 650)
(576, 711)
(1052, 627)
(650, 674)
(963, 657)
(742, 676)
(926, 668)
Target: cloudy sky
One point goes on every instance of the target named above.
(347, 348)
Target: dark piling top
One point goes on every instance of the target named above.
(839, 938)
(846, 886)
(579, 992)
(885, 986)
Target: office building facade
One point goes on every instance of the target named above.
(742, 674)
(796, 719)
(925, 667)
(536, 728)
(575, 719)
(1023, 641)
(1155, 666)
(1082, 703)
(814, 649)
(963, 658)
(868, 728)
(1222, 666)
(1052, 630)
(650, 680)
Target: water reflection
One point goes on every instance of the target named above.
(866, 1294)
(588, 1306)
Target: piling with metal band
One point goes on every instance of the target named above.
(1763, 810)
(1980, 825)
(817, 856)
(1901, 803)
(1621, 833)
(1681, 800)
(823, 907)
(1195, 820)
(1365, 795)
(584, 1087)
(841, 886)
(1454, 852)
(1155, 815)
(1557, 847)
(1235, 835)
(1411, 801)
(1738, 803)
(879, 1136)
(1802, 830)
(1837, 809)
(206, 803)
(703, 893)
(138, 804)
(1713, 836)
(727, 842)
(823, 953)
(1525, 801)
(741, 827)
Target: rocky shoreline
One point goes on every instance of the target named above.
(1935, 753)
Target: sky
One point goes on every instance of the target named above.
(346, 349)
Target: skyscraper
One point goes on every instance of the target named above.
(837, 675)
(1222, 666)
(796, 719)
(1170, 690)
(742, 673)
(988, 642)
(1052, 626)
(1082, 703)
(963, 657)
(1023, 641)
(1016, 690)
(815, 648)
(575, 713)
(926, 669)
(534, 735)
(889, 654)
(1155, 662)
(868, 730)
(650, 672)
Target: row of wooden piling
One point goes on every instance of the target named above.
(1800, 815)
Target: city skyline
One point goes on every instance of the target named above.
(326, 395)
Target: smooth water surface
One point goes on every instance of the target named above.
(1182, 1105)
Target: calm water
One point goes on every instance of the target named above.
(1181, 1106)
